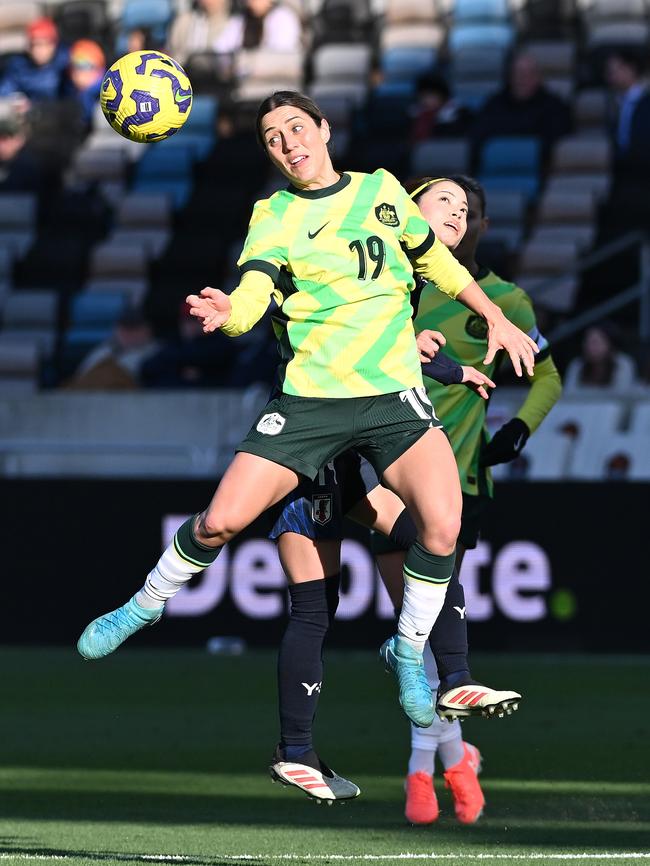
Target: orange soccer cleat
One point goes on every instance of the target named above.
(462, 778)
(421, 800)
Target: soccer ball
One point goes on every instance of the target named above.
(146, 96)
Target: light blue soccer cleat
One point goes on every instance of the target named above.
(107, 632)
(414, 691)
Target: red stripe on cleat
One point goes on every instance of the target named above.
(457, 697)
(468, 697)
(477, 698)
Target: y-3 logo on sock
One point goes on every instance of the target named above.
(461, 612)
(313, 688)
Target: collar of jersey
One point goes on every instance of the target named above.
(340, 184)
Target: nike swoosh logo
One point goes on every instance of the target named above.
(311, 235)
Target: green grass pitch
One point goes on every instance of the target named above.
(160, 757)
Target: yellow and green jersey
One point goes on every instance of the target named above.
(460, 409)
(339, 262)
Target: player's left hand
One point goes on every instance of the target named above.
(502, 334)
(429, 344)
(477, 381)
(506, 444)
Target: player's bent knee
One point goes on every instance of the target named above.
(216, 527)
(442, 535)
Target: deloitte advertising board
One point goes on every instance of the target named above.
(559, 567)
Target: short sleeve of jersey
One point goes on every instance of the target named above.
(266, 245)
(417, 235)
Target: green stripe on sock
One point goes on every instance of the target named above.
(192, 550)
(421, 564)
(426, 577)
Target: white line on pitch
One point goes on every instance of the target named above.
(265, 858)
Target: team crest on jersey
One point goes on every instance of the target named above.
(476, 327)
(321, 508)
(387, 214)
(271, 424)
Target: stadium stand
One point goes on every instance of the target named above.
(123, 223)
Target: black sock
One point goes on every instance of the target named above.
(448, 638)
(300, 660)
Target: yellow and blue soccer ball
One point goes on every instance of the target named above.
(146, 96)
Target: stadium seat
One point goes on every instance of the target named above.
(203, 116)
(579, 155)
(640, 418)
(583, 236)
(260, 71)
(555, 57)
(439, 157)
(354, 92)
(31, 316)
(469, 65)
(344, 62)
(616, 9)
(94, 310)
(411, 22)
(133, 288)
(605, 35)
(165, 163)
(406, 62)
(613, 457)
(506, 208)
(483, 37)
(580, 418)
(19, 366)
(17, 210)
(153, 15)
(115, 261)
(466, 11)
(545, 458)
(473, 94)
(15, 15)
(590, 111)
(399, 11)
(99, 164)
(511, 164)
(566, 208)
(144, 210)
(152, 240)
(387, 109)
(412, 35)
(544, 271)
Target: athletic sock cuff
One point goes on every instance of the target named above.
(421, 564)
(192, 550)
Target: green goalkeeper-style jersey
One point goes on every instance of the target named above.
(339, 262)
(460, 409)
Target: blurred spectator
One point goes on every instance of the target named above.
(41, 74)
(21, 168)
(197, 29)
(140, 39)
(525, 106)
(435, 112)
(116, 364)
(600, 364)
(263, 24)
(631, 124)
(191, 360)
(87, 67)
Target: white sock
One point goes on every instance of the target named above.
(422, 603)
(451, 749)
(170, 574)
(422, 761)
(431, 668)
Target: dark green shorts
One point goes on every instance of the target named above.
(474, 508)
(305, 433)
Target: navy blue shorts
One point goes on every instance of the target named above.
(316, 508)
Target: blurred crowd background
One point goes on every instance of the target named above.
(545, 101)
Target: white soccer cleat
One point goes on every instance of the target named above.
(473, 699)
(319, 784)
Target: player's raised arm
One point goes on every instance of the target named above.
(238, 312)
